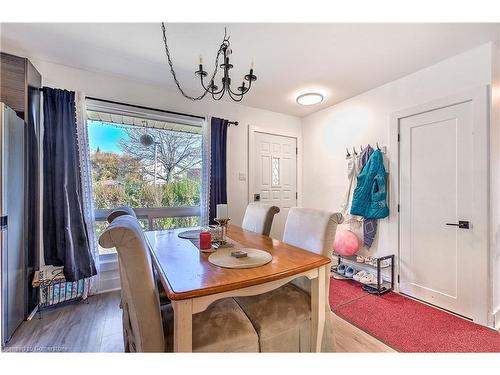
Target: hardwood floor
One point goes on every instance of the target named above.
(97, 327)
(351, 339)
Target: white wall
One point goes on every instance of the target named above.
(366, 119)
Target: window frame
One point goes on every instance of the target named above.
(109, 261)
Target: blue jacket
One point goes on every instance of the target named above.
(370, 196)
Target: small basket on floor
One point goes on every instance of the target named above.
(55, 290)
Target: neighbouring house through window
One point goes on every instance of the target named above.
(149, 162)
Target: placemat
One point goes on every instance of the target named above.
(192, 234)
(256, 258)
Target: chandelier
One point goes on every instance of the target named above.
(211, 88)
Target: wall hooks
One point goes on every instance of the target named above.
(355, 152)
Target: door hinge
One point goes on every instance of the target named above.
(398, 207)
(398, 279)
(296, 195)
(399, 137)
(296, 150)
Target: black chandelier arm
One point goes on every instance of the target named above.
(222, 93)
(238, 94)
(211, 91)
(241, 93)
(238, 99)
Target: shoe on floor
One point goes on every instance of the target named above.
(341, 268)
(359, 275)
(349, 272)
(368, 279)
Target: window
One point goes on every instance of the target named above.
(275, 171)
(151, 165)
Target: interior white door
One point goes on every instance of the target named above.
(275, 175)
(441, 262)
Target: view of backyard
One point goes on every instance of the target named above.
(145, 168)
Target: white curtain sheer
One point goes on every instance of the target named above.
(205, 175)
(86, 181)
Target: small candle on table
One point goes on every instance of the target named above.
(222, 211)
(205, 241)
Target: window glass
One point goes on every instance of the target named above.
(143, 164)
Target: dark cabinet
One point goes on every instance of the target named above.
(20, 90)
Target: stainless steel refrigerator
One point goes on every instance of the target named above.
(12, 213)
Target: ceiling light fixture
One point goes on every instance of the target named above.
(211, 88)
(310, 98)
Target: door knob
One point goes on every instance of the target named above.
(256, 197)
(462, 224)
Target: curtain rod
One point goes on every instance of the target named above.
(144, 107)
(140, 106)
(235, 123)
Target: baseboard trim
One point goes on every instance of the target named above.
(108, 290)
(496, 319)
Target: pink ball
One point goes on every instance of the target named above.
(346, 243)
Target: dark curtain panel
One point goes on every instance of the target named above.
(66, 241)
(218, 186)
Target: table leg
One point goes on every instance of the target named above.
(318, 301)
(183, 325)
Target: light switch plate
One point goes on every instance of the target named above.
(242, 176)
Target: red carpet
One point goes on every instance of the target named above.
(407, 325)
(344, 291)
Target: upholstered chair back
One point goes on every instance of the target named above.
(259, 218)
(312, 230)
(139, 294)
(120, 211)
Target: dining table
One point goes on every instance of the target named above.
(192, 283)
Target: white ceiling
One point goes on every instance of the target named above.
(342, 60)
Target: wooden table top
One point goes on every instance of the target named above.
(185, 272)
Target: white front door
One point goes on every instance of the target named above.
(275, 175)
(442, 255)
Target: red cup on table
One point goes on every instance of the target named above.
(205, 240)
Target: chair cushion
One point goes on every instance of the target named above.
(277, 311)
(222, 327)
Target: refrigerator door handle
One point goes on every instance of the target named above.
(3, 222)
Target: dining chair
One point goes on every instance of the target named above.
(120, 211)
(259, 218)
(147, 326)
(124, 210)
(282, 317)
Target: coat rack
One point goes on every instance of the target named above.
(383, 149)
